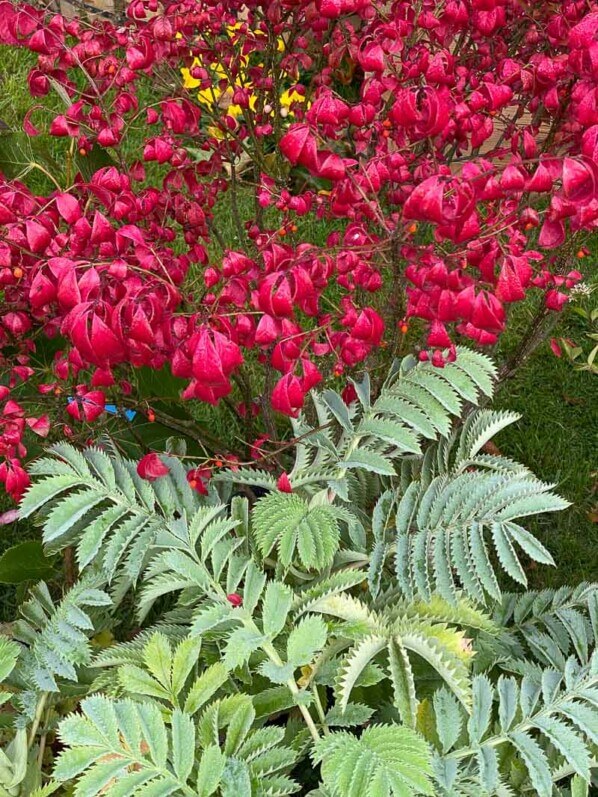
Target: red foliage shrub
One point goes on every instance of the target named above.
(453, 147)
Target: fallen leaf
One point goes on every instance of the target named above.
(572, 400)
(491, 448)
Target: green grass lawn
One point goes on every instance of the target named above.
(557, 436)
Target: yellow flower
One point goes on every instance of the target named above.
(215, 98)
(188, 81)
(288, 97)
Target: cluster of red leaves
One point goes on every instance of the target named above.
(474, 120)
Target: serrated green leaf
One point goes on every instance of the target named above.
(535, 761)
(137, 681)
(393, 433)
(205, 686)
(305, 640)
(391, 755)
(275, 608)
(239, 726)
(209, 773)
(482, 694)
(567, 742)
(277, 673)
(403, 682)
(235, 780)
(241, 644)
(369, 460)
(338, 408)
(355, 714)
(183, 744)
(289, 523)
(449, 718)
(9, 653)
(185, 658)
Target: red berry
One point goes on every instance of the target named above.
(234, 599)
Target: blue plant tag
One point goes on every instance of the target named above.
(112, 409)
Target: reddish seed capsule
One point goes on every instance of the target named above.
(284, 484)
(234, 599)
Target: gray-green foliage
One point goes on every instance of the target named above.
(360, 622)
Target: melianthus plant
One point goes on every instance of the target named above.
(451, 147)
(343, 633)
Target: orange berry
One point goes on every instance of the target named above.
(17, 273)
(218, 463)
(151, 416)
(387, 124)
(294, 228)
(581, 254)
(412, 228)
(193, 484)
(529, 226)
(282, 232)
(385, 133)
(404, 328)
(57, 391)
(82, 152)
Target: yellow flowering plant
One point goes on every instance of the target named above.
(219, 96)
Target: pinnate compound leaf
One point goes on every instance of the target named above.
(287, 522)
(385, 760)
